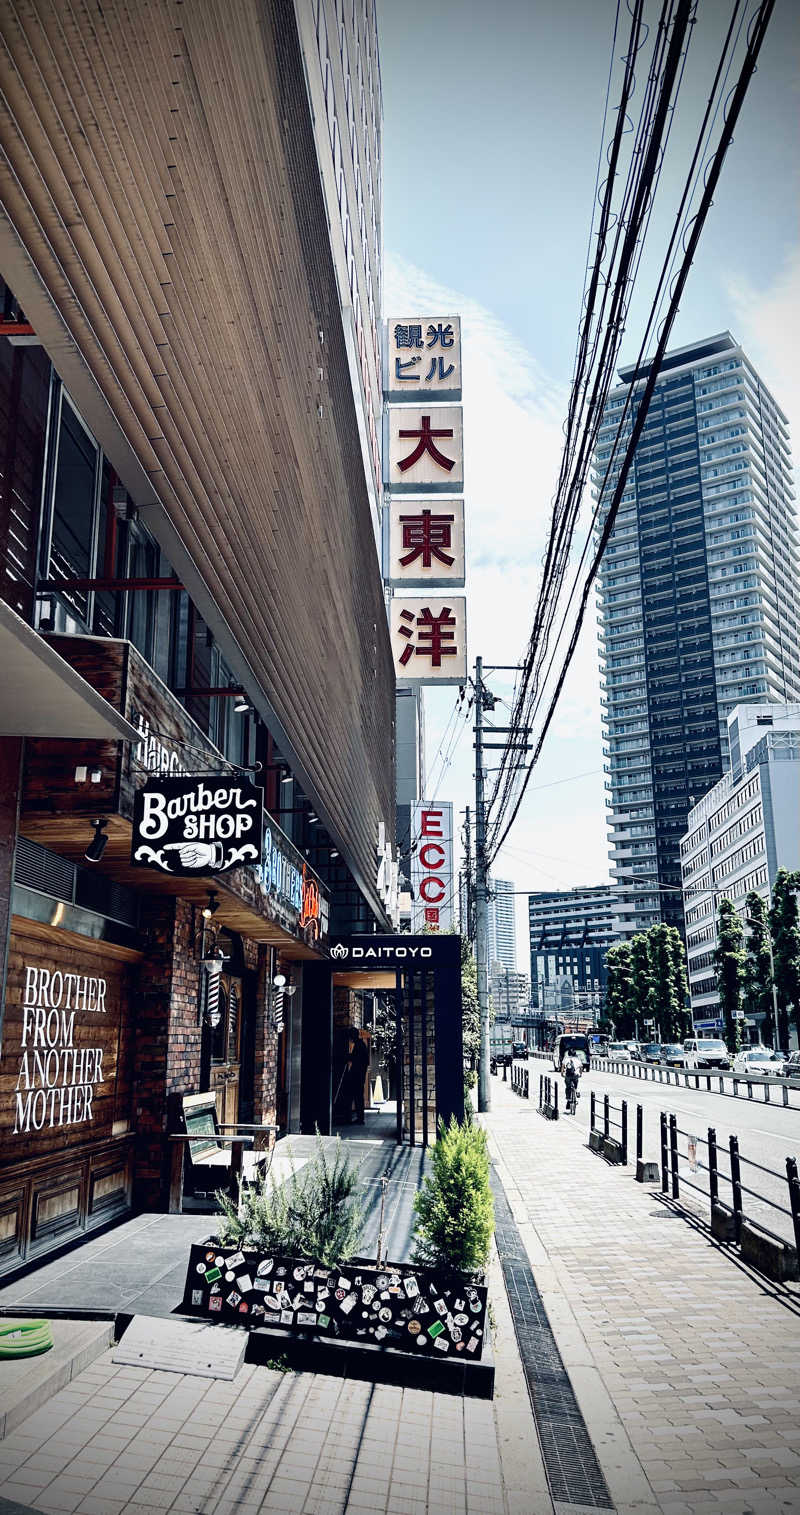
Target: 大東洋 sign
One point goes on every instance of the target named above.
(423, 358)
(426, 544)
(426, 449)
(429, 639)
(197, 825)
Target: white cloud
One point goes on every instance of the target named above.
(766, 321)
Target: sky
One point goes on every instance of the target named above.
(491, 134)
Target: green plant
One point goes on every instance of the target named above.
(312, 1214)
(784, 920)
(454, 1214)
(729, 968)
(758, 965)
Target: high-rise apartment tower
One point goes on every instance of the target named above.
(699, 597)
(502, 923)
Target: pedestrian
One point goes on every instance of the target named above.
(357, 1063)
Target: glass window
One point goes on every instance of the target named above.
(74, 498)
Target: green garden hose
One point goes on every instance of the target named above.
(24, 1338)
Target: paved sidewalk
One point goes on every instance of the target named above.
(686, 1366)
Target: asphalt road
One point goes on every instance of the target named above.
(767, 1133)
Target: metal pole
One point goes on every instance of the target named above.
(591, 1109)
(481, 898)
(736, 1186)
(624, 1125)
(673, 1155)
(606, 1117)
(713, 1172)
(664, 1176)
(639, 1134)
(794, 1198)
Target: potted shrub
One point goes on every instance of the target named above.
(285, 1257)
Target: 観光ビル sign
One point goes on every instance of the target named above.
(423, 358)
(432, 865)
(196, 825)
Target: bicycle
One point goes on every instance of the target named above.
(572, 1099)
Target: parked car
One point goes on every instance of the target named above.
(673, 1055)
(791, 1066)
(706, 1052)
(754, 1060)
(519, 1049)
(651, 1053)
(635, 1051)
(621, 1051)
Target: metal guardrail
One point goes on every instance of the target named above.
(703, 1078)
(672, 1180)
(548, 1096)
(610, 1124)
(520, 1081)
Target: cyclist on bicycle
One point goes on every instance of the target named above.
(571, 1068)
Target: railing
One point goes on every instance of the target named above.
(703, 1078)
(611, 1127)
(548, 1096)
(672, 1180)
(520, 1081)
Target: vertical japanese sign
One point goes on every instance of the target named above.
(424, 542)
(423, 358)
(429, 639)
(432, 865)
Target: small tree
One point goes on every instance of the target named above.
(757, 992)
(454, 1213)
(683, 1025)
(618, 989)
(641, 979)
(785, 926)
(662, 1001)
(729, 967)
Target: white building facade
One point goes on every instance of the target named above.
(739, 835)
(502, 923)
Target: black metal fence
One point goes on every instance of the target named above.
(610, 1122)
(725, 1188)
(520, 1081)
(548, 1096)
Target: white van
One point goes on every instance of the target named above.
(705, 1052)
(575, 1044)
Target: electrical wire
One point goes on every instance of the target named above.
(688, 231)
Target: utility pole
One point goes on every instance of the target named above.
(469, 921)
(481, 897)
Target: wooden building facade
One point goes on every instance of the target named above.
(189, 583)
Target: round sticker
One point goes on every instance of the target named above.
(229, 1277)
(200, 1268)
(218, 1261)
(414, 1327)
(340, 1293)
(382, 1281)
(421, 1341)
(385, 1314)
(461, 1319)
(299, 1273)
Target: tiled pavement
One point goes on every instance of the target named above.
(686, 1365)
(126, 1441)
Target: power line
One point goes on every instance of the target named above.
(690, 232)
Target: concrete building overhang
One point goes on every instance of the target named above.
(41, 695)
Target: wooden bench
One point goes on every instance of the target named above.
(206, 1156)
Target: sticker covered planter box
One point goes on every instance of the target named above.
(421, 1311)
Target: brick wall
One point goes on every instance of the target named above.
(10, 757)
(266, 1043)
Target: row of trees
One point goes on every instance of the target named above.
(759, 957)
(647, 981)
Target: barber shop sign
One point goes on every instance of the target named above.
(191, 826)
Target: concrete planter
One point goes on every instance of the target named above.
(399, 1307)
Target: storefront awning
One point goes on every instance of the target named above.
(42, 696)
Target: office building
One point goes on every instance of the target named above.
(570, 931)
(502, 923)
(189, 584)
(738, 836)
(699, 599)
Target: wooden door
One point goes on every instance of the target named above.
(226, 1035)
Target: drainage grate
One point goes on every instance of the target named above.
(573, 1471)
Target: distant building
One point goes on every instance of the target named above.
(699, 598)
(739, 835)
(570, 931)
(510, 991)
(502, 923)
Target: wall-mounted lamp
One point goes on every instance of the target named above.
(99, 842)
(334, 852)
(242, 705)
(313, 817)
(212, 907)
